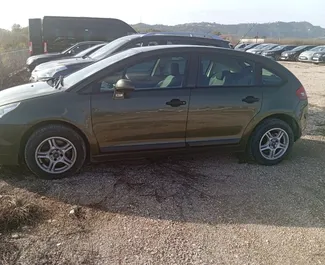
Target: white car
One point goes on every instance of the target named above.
(308, 55)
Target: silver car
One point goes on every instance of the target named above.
(308, 55)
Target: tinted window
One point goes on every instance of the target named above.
(158, 72)
(225, 71)
(269, 78)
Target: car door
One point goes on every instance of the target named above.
(153, 116)
(224, 101)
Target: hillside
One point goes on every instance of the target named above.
(296, 30)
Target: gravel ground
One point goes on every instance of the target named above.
(202, 209)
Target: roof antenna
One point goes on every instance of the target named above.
(246, 33)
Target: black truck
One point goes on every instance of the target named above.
(55, 34)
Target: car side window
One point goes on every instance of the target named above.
(158, 72)
(270, 79)
(220, 71)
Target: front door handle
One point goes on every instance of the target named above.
(175, 102)
(250, 99)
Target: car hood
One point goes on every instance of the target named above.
(290, 52)
(308, 53)
(268, 51)
(26, 91)
(44, 56)
(320, 53)
(64, 62)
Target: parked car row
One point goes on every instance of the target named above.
(53, 68)
(303, 53)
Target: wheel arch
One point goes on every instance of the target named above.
(281, 116)
(30, 131)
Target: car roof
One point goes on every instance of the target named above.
(90, 42)
(196, 35)
(194, 48)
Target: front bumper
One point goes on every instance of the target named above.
(10, 139)
(318, 60)
(287, 58)
(304, 59)
(269, 56)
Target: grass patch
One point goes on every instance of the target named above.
(16, 212)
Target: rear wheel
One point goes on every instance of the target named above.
(270, 142)
(55, 151)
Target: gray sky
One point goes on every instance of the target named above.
(168, 12)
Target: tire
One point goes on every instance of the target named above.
(67, 146)
(259, 136)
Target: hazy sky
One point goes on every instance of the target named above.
(167, 11)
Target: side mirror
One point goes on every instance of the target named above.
(122, 88)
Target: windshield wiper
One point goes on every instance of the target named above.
(59, 82)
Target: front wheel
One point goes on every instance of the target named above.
(270, 142)
(55, 151)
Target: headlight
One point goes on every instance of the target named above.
(50, 72)
(7, 108)
(29, 61)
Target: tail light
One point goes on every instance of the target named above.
(30, 48)
(301, 93)
(45, 46)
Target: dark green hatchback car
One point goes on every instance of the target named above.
(153, 99)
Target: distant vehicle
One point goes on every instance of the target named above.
(293, 54)
(241, 46)
(249, 46)
(63, 68)
(90, 50)
(146, 100)
(319, 57)
(276, 52)
(35, 60)
(265, 46)
(54, 34)
(308, 55)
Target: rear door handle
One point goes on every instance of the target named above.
(250, 99)
(175, 102)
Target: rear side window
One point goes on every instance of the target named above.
(270, 79)
(216, 71)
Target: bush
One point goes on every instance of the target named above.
(16, 212)
(16, 39)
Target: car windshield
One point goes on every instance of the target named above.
(84, 52)
(111, 47)
(299, 48)
(66, 50)
(251, 45)
(277, 48)
(273, 47)
(86, 72)
(317, 49)
(261, 46)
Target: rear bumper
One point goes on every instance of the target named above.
(302, 115)
(10, 139)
